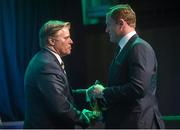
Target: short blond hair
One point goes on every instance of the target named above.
(49, 29)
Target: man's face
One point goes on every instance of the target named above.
(112, 29)
(63, 42)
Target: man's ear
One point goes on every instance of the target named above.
(121, 22)
(51, 41)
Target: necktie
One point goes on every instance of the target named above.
(111, 68)
(62, 66)
(117, 51)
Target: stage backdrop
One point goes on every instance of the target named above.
(20, 21)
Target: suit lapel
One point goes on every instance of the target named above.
(119, 59)
(124, 52)
(64, 74)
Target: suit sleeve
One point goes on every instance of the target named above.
(54, 89)
(80, 97)
(141, 64)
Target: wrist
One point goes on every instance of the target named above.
(87, 96)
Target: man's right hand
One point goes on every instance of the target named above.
(94, 91)
(88, 116)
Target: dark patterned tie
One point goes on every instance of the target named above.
(62, 66)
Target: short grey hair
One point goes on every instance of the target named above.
(49, 29)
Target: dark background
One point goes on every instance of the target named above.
(20, 20)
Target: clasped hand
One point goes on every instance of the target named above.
(89, 116)
(94, 91)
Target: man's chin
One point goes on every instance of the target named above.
(68, 53)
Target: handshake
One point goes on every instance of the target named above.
(88, 117)
(95, 91)
(94, 95)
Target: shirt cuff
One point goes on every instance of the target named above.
(87, 96)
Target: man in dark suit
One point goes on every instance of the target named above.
(49, 98)
(129, 99)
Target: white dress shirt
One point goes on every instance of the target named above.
(125, 39)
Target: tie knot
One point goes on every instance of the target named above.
(62, 65)
(119, 48)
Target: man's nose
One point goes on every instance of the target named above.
(71, 41)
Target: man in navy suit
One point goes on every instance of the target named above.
(129, 99)
(49, 98)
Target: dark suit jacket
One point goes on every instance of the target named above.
(130, 95)
(49, 101)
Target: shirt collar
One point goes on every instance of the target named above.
(125, 39)
(57, 56)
